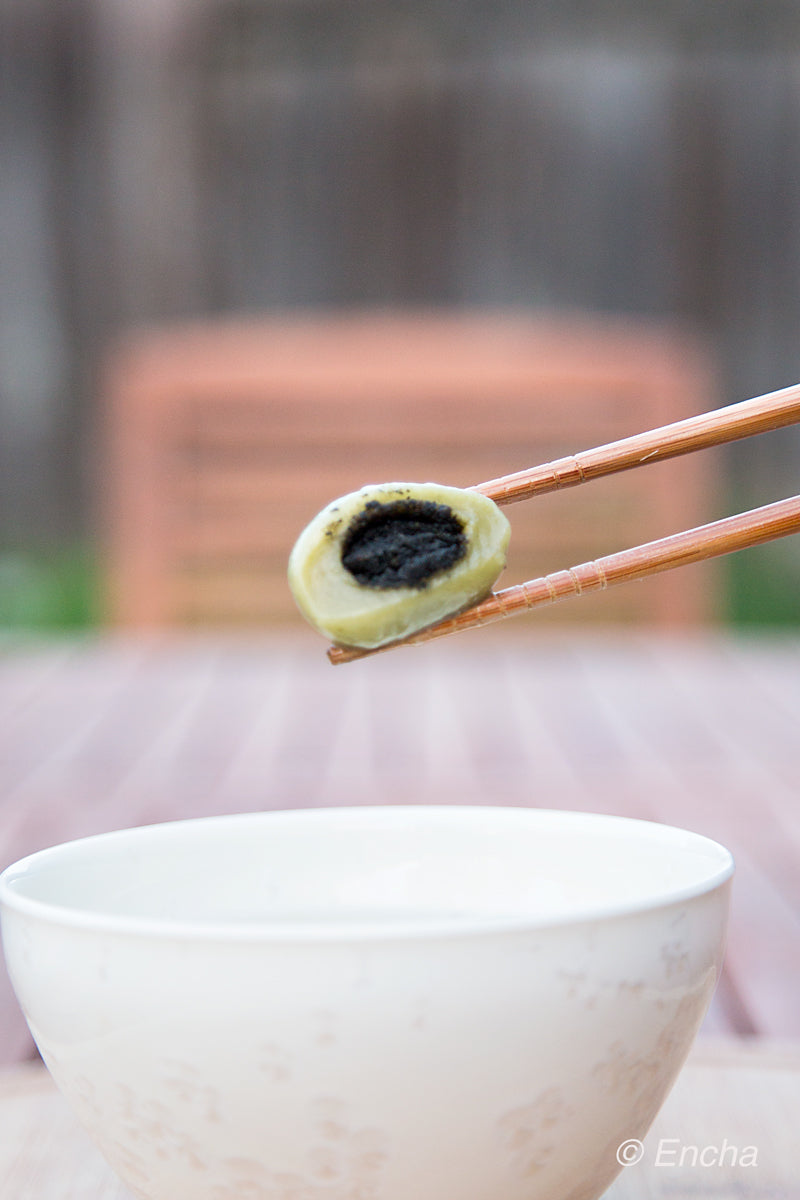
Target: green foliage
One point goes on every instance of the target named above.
(48, 590)
(763, 584)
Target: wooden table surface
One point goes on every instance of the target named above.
(698, 731)
(701, 731)
(728, 1131)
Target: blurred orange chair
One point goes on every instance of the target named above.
(225, 437)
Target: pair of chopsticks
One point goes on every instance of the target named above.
(760, 415)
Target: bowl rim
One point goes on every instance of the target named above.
(349, 930)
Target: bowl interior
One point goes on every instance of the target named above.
(339, 872)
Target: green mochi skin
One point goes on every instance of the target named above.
(354, 614)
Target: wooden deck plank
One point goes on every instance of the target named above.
(27, 669)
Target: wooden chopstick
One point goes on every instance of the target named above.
(706, 541)
(759, 415)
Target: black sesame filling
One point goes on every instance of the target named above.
(403, 543)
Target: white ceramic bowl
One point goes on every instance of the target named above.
(452, 1003)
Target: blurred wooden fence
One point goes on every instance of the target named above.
(183, 157)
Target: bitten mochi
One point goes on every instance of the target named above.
(390, 559)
